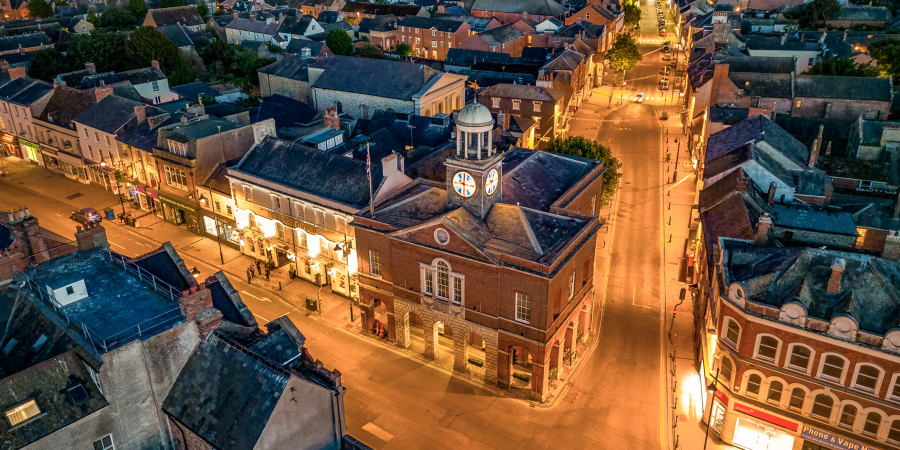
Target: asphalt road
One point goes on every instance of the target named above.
(395, 402)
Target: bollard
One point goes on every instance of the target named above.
(670, 238)
(279, 285)
(670, 206)
(670, 220)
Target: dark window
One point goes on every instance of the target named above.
(797, 397)
(753, 384)
(775, 390)
(822, 406)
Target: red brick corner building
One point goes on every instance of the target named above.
(500, 256)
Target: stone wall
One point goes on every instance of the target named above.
(358, 106)
(270, 85)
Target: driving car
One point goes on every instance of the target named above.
(86, 216)
(639, 98)
(662, 33)
(666, 58)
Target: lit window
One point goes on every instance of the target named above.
(754, 382)
(799, 102)
(537, 106)
(340, 224)
(775, 390)
(457, 290)
(822, 406)
(443, 280)
(523, 307)
(434, 44)
(434, 32)
(495, 102)
(175, 178)
(429, 282)
(279, 230)
(22, 413)
(375, 262)
(848, 416)
(320, 218)
(516, 103)
(252, 220)
(104, 443)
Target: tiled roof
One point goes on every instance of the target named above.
(310, 170)
(294, 67)
(65, 104)
(427, 23)
(540, 7)
(844, 88)
(366, 76)
(185, 15)
(108, 115)
(525, 92)
(501, 35)
(475, 23)
(379, 23)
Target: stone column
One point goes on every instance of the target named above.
(490, 144)
(504, 371)
(466, 143)
(458, 141)
(583, 321)
(555, 359)
(491, 361)
(368, 316)
(480, 144)
(431, 336)
(460, 350)
(540, 381)
(401, 325)
(568, 344)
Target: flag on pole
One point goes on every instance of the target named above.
(368, 163)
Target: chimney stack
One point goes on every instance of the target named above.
(741, 181)
(891, 248)
(762, 229)
(771, 198)
(90, 237)
(837, 270)
(828, 148)
(845, 35)
(783, 38)
(331, 118)
(91, 68)
(155, 64)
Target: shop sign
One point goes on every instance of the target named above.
(140, 189)
(750, 411)
(831, 441)
(722, 397)
(113, 184)
(293, 223)
(178, 204)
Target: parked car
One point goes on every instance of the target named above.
(86, 216)
(667, 58)
(662, 33)
(639, 98)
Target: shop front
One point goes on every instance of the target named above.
(225, 228)
(9, 145)
(31, 151)
(815, 439)
(755, 429)
(178, 212)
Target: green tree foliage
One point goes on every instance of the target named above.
(585, 148)
(624, 54)
(138, 8)
(887, 53)
(38, 9)
(632, 14)
(146, 44)
(172, 3)
(103, 48)
(844, 67)
(93, 19)
(117, 17)
(817, 12)
(403, 50)
(203, 10)
(371, 51)
(47, 64)
(339, 42)
(182, 73)
(240, 63)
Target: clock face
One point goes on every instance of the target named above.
(490, 185)
(464, 184)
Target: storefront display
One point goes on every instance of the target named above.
(815, 439)
(31, 151)
(179, 213)
(753, 435)
(224, 230)
(718, 414)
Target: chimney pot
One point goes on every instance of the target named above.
(771, 197)
(762, 229)
(155, 64)
(783, 39)
(837, 270)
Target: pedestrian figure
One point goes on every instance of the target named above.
(250, 269)
(267, 273)
(258, 269)
(249, 275)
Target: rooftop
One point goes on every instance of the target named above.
(366, 76)
(539, 7)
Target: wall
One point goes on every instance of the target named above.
(304, 417)
(270, 85)
(545, 118)
(446, 95)
(352, 103)
(803, 57)
(161, 95)
(846, 110)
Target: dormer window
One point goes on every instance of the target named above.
(177, 148)
(22, 413)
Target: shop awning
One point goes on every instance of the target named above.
(71, 159)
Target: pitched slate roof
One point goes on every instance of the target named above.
(297, 46)
(859, 12)
(728, 116)
(501, 35)
(755, 129)
(294, 67)
(286, 112)
(844, 88)
(379, 9)
(109, 114)
(520, 91)
(11, 43)
(193, 91)
(366, 76)
(427, 23)
(310, 170)
(185, 15)
(757, 42)
(540, 7)
(65, 104)
(182, 36)
(475, 23)
(772, 85)
(378, 23)
(296, 26)
(141, 76)
(254, 26)
(558, 173)
(225, 395)
(32, 93)
(465, 58)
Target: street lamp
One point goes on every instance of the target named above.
(712, 390)
(194, 272)
(203, 201)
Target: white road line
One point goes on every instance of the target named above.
(378, 432)
(264, 299)
(117, 245)
(633, 293)
(261, 317)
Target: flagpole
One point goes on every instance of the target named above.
(369, 176)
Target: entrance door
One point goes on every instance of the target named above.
(340, 282)
(179, 216)
(281, 258)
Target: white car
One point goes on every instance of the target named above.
(639, 98)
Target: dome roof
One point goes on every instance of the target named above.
(474, 115)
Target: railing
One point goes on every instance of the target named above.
(158, 285)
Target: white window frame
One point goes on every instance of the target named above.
(297, 210)
(375, 266)
(725, 323)
(170, 175)
(790, 351)
(834, 404)
(319, 214)
(828, 377)
(279, 230)
(840, 416)
(340, 224)
(537, 106)
(429, 282)
(758, 344)
(572, 286)
(855, 378)
(865, 420)
(769, 392)
(276, 203)
(516, 104)
(521, 300)
(111, 446)
(895, 381)
(495, 102)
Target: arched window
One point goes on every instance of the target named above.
(775, 390)
(754, 382)
(252, 221)
(873, 423)
(339, 107)
(822, 406)
(732, 331)
(767, 348)
(848, 416)
(725, 370)
(867, 377)
(443, 280)
(894, 433)
(799, 358)
(832, 368)
(798, 395)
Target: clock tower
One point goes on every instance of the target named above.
(473, 173)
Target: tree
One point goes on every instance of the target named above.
(632, 14)
(339, 42)
(624, 54)
(403, 50)
(47, 64)
(182, 73)
(819, 10)
(371, 51)
(93, 19)
(146, 44)
(843, 67)
(203, 10)
(101, 47)
(172, 3)
(138, 8)
(579, 146)
(38, 9)
(887, 53)
(117, 17)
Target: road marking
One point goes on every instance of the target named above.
(378, 432)
(117, 245)
(264, 299)
(633, 294)
(261, 317)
